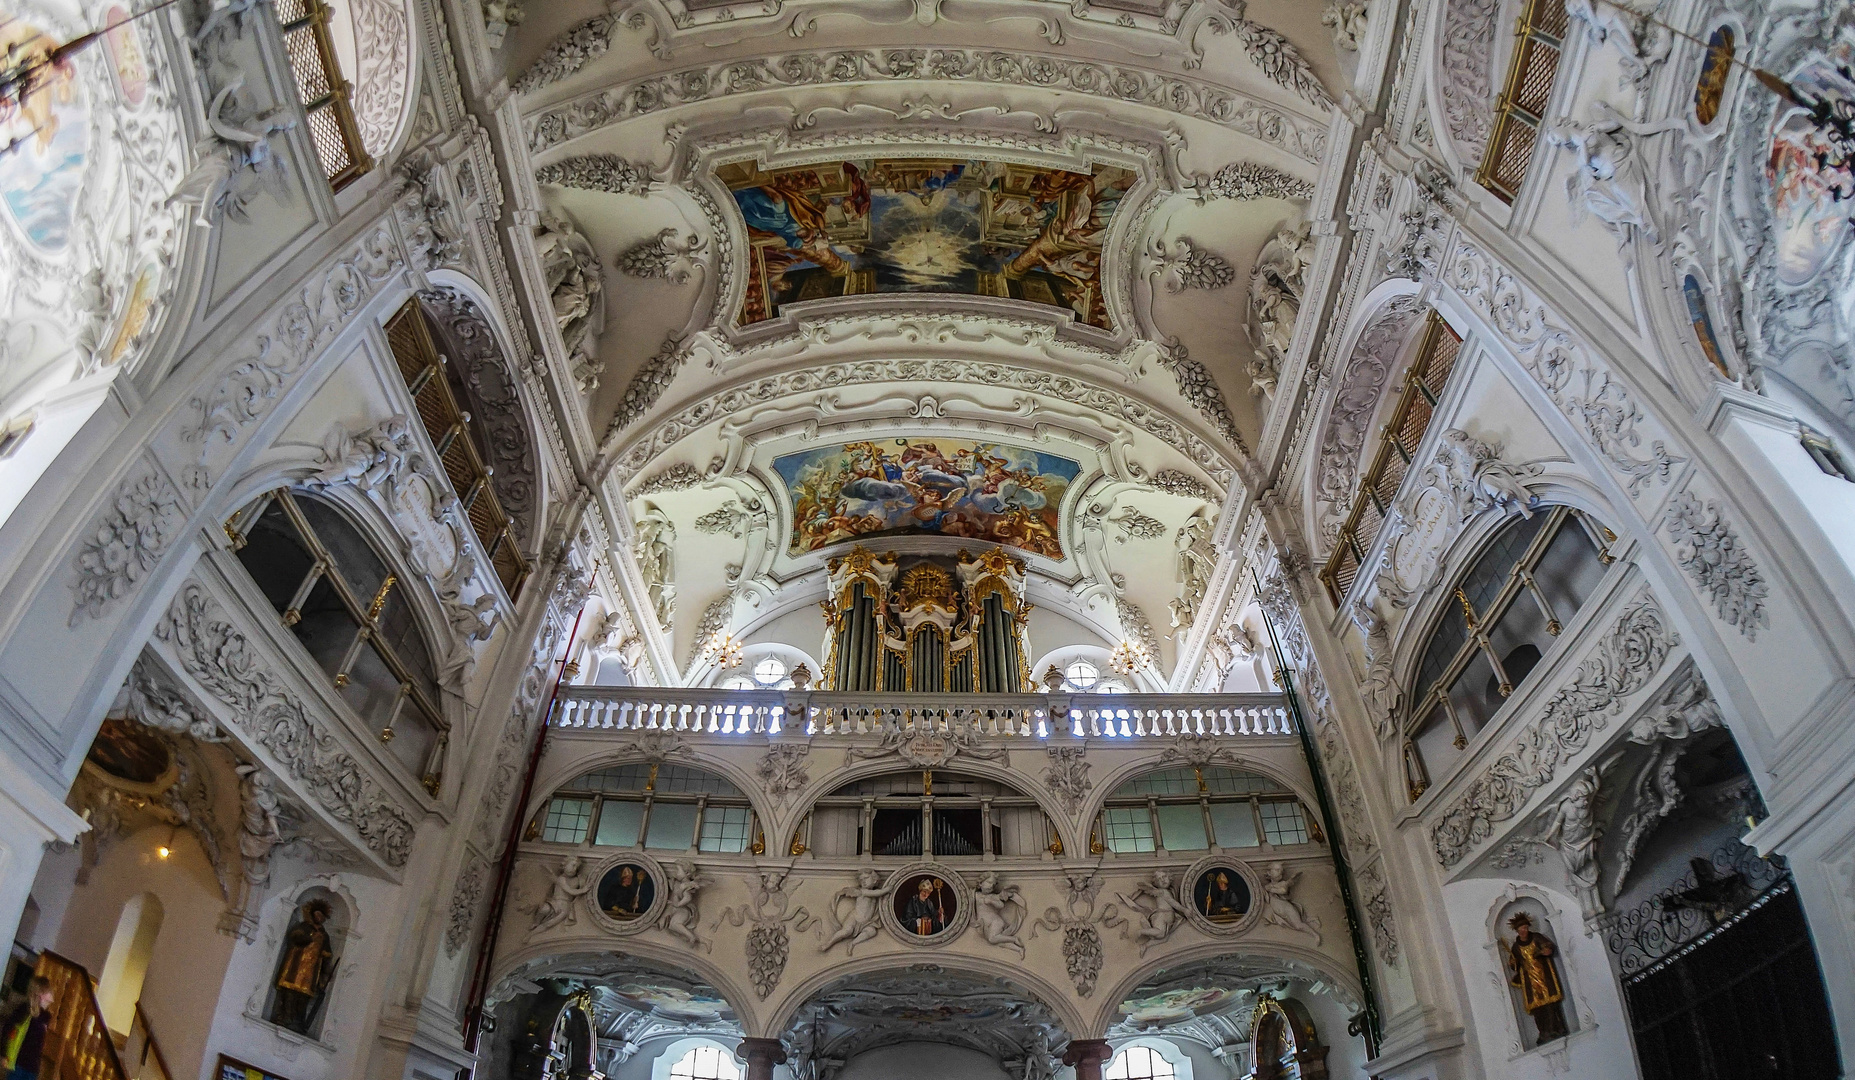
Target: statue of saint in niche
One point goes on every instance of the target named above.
(307, 969)
(1532, 969)
(626, 891)
(925, 911)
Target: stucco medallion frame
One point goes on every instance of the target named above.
(1188, 881)
(650, 918)
(962, 896)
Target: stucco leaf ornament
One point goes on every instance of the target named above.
(668, 256)
(1067, 776)
(1183, 265)
(126, 545)
(1715, 559)
(782, 771)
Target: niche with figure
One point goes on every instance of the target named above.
(1535, 973)
(306, 962)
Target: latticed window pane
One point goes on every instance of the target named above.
(706, 1063)
(1163, 782)
(567, 820)
(616, 778)
(1127, 828)
(312, 81)
(1221, 781)
(1539, 63)
(331, 145)
(724, 828)
(683, 778)
(1283, 823)
(289, 11)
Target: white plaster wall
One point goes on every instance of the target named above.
(922, 1061)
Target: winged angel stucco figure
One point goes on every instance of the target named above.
(229, 151)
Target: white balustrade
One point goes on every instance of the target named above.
(827, 713)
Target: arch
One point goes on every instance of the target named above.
(502, 418)
(1294, 960)
(1112, 781)
(593, 947)
(1376, 346)
(1055, 999)
(119, 987)
(624, 808)
(557, 774)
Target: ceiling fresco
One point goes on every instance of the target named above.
(918, 225)
(939, 486)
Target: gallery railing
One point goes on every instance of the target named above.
(1720, 888)
(649, 708)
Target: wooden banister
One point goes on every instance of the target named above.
(77, 1042)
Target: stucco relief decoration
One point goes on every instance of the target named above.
(576, 290)
(782, 771)
(1184, 485)
(230, 163)
(383, 71)
(1067, 776)
(1608, 179)
(596, 172)
(384, 462)
(668, 256)
(768, 942)
(1685, 711)
(1249, 180)
(1076, 920)
(1274, 55)
(1379, 688)
(1624, 27)
(1349, 21)
(1183, 265)
(655, 551)
(1276, 287)
(464, 903)
(1279, 908)
(1600, 406)
(498, 414)
(999, 912)
(1466, 62)
(1716, 560)
(219, 657)
(887, 225)
(1297, 135)
(275, 355)
(1154, 902)
(1361, 387)
(126, 543)
(1465, 479)
(1194, 562)
(424, 208)
(1624, 661)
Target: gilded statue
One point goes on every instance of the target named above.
(308, 968)
(1534, 971)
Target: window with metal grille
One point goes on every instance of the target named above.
(667, 807)
(343, 604)
(322, 90)
(1398, 440)
(1192, 809)
(457, 443)
(1521, 108)
(1505, 612)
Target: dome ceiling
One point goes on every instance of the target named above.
(1071, 239)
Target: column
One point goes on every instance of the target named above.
(762, 1054)
(1087, 1055)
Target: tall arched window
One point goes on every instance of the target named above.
(1193, 809)
(342, 602)
(666, 807)
(125, 967)
(1503, 615)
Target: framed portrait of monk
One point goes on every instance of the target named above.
(626, 891)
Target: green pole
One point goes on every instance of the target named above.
(1373, 1032)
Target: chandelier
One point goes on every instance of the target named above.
(1129, 657)
(724, 650)
(30, 71)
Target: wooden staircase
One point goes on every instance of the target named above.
(78, 1045)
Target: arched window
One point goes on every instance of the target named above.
(705, 1063)
(1194, 809)
(1503, 615)
(668, 807)
(925, 813)
(125, 967)
(1139, 1062)
(340, 600)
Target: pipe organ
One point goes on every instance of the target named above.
(927, 624)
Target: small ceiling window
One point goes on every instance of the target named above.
(769, 671)
(709, 1063)
(1139, 1063)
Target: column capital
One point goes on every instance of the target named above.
(761, 1053)
(1087, 1054)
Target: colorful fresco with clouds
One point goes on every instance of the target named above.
(885, 225)
(1814, 199)
(945, 487)
(39, 180)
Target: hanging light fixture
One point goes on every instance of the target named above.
(1129, 657)
(25, 72)
(724, 650)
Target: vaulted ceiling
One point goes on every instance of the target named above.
(772, 228)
